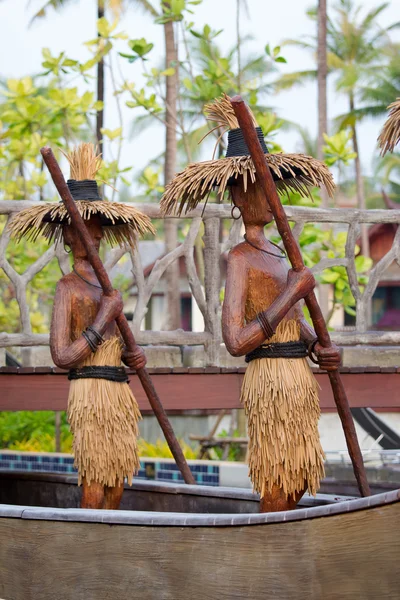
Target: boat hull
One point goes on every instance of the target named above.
(339, 550)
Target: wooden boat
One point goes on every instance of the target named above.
(180, 542)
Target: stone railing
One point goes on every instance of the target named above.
(207, 296)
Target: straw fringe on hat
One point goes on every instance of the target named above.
(390, 134)
(291, 172)
(121, 222)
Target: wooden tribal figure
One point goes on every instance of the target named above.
(262, 317)
(102, 412)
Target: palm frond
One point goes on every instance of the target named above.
(289, 80)
(42, 12)
(145, 6)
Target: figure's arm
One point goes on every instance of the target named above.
(65, 353)
(239, 338)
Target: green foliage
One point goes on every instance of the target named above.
(139, 48)
(33, 116)
(235, 452)
(33, 431)
(175, 10)
(337, 148)
(337, 276)
(275, 54)
(150, 180)
(161, 449)
(51, 108)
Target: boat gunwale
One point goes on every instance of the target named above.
(171, 519)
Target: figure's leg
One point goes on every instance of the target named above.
(277, 500)
(113, 495)
(92, 495)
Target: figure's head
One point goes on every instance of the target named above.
(73, 239)
(252, 203)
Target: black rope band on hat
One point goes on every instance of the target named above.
(87, 189)
(237, 145)
(117, 374)
(279, 350)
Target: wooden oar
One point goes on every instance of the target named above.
(122, 323)
(266, 181)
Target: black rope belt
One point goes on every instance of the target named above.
(279, 350)
(110, 373)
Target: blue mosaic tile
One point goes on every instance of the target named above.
(165, 476)
(47, 459)
(19, 466)
(149, 470)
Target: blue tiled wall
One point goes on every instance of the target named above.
(155, 470)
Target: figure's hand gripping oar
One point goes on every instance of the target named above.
(122, 323)
(266, 181)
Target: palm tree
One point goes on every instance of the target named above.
(382, 91)
(322, 73)
(356, 52)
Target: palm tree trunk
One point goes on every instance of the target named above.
(323, 290)
(100, 86)
(360, 184)
(238, 41)
(170, 225)
(322, 75)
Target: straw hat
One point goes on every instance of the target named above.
(390, 134)
(120, 222)
(291, 172)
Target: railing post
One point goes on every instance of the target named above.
(212, 284)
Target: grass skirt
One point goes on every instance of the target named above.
(280, 397)
(103, 416)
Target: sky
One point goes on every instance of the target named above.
(268, 21)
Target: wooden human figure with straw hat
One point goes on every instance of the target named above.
(262, 316)
(102, 411)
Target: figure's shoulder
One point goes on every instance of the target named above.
(66, 283)
(239, 252)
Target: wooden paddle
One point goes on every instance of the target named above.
(122, 323)
(266, 181)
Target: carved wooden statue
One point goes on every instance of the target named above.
(102, 412)
(263, 319)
